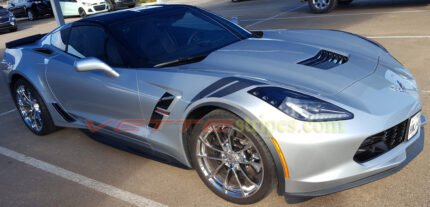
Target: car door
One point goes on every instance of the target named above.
(93, 96)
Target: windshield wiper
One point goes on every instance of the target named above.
(181, 61)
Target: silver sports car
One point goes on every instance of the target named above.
(311, 112)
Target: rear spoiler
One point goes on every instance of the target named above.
(24, 41)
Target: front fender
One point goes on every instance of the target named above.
(236, 108)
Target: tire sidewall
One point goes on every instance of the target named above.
(269, 179)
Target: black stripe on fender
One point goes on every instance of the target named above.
(213, 87)
(241, 84)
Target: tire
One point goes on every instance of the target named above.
(82, 13)
(41, 123)
(322, 6)
(344, 2)
(13, 29)
(235, 159)
(131, 6)
(30, 15)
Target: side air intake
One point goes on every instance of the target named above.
(161, 110)
(325, 60)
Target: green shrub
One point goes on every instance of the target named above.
(146, 1)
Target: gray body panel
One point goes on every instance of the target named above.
(363, 86)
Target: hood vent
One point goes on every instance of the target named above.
(325, 60)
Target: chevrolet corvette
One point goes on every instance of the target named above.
(308, 112)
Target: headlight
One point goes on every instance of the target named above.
(301, 106)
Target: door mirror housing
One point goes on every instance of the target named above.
(235, 20)
(94, 64)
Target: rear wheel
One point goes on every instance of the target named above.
(131, 6)
(234, 163)
(32, 109)
(322, 6)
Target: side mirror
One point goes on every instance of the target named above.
(235, 20)
(94, 64)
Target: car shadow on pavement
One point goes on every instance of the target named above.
(381, 4)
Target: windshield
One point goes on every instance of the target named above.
(174, 33)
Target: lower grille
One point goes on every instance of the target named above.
(381, 143)
(99, 7)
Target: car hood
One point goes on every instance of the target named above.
(276, 55)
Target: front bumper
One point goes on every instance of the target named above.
(408, 153)
(94, 9)
(8, 25)
(358, 174)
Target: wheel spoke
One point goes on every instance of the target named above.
(226, 179)
(228, 140)
(216, 170)
(217, 136)
(210, 158)
(238, 182)
(207, 144)
(247, 147)
(24, 97)
(246, 176)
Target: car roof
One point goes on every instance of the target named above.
(114, 17)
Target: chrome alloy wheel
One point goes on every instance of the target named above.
(29, 108)
(229, 160)
(321, 4)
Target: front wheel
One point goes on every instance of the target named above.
(110, 6)
(32, 109)
(232, 161)
(322, 6)
(82, 13)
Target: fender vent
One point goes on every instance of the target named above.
(325, 60)
(160, 110)
(63, 113)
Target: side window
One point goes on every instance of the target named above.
(87, 41)
(59, 38)
(92, 41)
